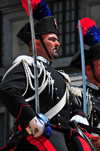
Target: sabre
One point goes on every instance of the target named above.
(37, 105)
(83, 68)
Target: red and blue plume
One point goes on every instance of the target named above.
(39, 7)
(91, 33)
(41, 10)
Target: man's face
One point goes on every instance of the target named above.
(97, 68)
(52, 44)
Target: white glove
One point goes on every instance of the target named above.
(80, 119)
(37, 126)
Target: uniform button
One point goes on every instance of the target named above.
(56, 89)
(94, 111)
(19, 137)
(93, 103)
(70, 103)
(57, 97)
(90, 90)
(59, 124)
(58, 115)
(71, 112)
(92, 97)
(95, 119)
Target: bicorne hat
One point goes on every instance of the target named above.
(91, 38)
(45, 24)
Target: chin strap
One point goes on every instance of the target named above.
(45, 47)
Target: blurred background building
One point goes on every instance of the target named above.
(13, 16)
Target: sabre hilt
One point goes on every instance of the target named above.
(43, 117)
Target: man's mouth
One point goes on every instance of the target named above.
(55, 50)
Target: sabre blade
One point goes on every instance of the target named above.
(37, 105)
(83, 68)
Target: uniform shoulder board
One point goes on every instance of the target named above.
(28, 59)
(77, 91)
(65, 75)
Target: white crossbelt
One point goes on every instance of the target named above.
(53, 111)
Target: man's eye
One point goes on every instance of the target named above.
(53, 40)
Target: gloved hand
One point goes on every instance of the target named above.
(37, 126)
(80, 119)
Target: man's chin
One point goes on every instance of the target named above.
(55, 56)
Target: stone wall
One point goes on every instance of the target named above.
(91, 9)
(12, 13)
(7, 3)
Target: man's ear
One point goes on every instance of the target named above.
(89, 72)
(37, 42)
(87, 67)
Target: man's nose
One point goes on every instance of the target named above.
(58, 44)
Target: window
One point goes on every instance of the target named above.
(66, 13)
